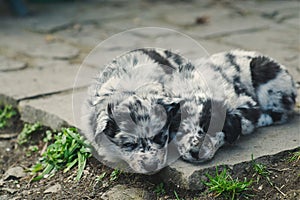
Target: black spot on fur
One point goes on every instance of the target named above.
(232, 127)
(231, 59)
(205, 116)
(175, 57)
(156, 57)
(186, 67)
(251, 113)
(219, 69)
(276, 116)
(135, 110)
(239, 88)
(263, 70)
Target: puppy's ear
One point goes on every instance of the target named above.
(111, 128)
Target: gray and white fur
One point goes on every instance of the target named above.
(149, 100)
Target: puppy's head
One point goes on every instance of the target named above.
(140, 129)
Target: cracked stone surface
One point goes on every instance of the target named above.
(8, 64)
(41, 55)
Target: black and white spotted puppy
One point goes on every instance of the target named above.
(149, 100)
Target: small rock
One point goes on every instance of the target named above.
(14, 172)
(125, 193)
(9, 190)
(4, 197)
(53, 189)
(1, 182)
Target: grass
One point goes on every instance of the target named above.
(101, 177)
(295, 157)
(176, 195)
(261, 171)
(115, 174)
(160, 189)
(68, 149)
(27, 130)
(5, 114)
(223, 184)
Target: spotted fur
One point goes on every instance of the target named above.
(151, 104)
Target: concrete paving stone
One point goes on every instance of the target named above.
(294, 23)
(282, 15)
(40, 81)
(54, 111)
(223, 26)
(8, 64)
(46, 24)
(278, 42)
(53, 50)
(36, 45)
(265, 6)
(48, 63)
(84, 35)
(265, 141)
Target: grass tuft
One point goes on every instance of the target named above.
(5, 114)
(223, 184)
(27, 130)
(115, 174)
(295, 157)
(160, 189)
(69, 148)
(261, 171)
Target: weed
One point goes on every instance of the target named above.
(5, 114)
(115, 174)
(295, 157)
(159, 189)
(224, 184)
(68, 149)
(27, 130)
(48, 137)
(261, 170)
(31, 149)
(101, 177)
(176, 195)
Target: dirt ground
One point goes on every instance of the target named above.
(284, 175)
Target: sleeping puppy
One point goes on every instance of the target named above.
(149, 105)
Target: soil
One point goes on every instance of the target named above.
(284, 176)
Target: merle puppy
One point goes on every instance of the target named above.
(149, 100)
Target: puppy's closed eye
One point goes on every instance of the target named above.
(129, 145)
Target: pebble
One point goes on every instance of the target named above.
(53, 189)
(14, 172)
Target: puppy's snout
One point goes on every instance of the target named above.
(194, 153)
(150, 167)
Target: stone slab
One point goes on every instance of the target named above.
(36, 45)
(265, 141)
(7, 64)
(33, 82)
(54, 111)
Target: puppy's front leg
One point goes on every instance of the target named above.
(211, 143)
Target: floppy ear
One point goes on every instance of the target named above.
(111, 127)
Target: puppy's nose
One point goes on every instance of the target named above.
(150, 167)
(194, 153)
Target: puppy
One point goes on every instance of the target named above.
(149, 105)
